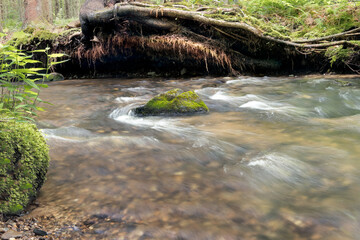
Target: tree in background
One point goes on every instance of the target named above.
(16, 14)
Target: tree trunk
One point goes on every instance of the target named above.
(50, 11)
(37, 10)
(2, 15)
(67, 9)
(20, 5)
(56, 8)
(31, 12)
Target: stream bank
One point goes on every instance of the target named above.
(144, 40)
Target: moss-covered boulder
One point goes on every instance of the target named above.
(54, 77)
(24, 160)
(173, 102)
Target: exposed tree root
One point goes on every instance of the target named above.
(176, 46)
(140, 33)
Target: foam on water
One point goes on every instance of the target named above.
(58, 138)
(220, 95)
(258, 105)
(157, 123)
(73, 133)
(249, 80)
(223, 96)
(125, 115)
(129, 99)
(137, 89)
(123, 111)
(66, 136)
(281, 167)
(351, 99)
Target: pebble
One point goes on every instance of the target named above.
(40, 232)
(11, 234)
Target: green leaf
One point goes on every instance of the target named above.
(19, 98)
(21, 106)
(31, 61)
(47, 103)
(28, 118)
(36, 69)
(31, 93)
(40, 85)
(39, 51)
(55, 63)
(56, 55)
(31, 83)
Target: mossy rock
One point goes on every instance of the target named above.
(53, 77)
(173, 102)
(24, 160)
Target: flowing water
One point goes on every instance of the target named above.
(276, 158)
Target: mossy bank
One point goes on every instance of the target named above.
(251, 37)
(24, 160)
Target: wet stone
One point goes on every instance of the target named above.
(11, 234)
(40, 232)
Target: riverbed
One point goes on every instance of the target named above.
(275, 158)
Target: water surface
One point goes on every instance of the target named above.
(276, 158)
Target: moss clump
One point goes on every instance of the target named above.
(29, 35)
(24, 160)
(173, 102)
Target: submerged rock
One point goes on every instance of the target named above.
(343, 83)
(173, 102)
(11, 234)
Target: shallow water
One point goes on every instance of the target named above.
(276, 158)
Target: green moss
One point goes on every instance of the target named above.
(24, 159)
(292, 20)
(30, 34)
(173, 102)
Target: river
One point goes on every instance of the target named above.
(276, 158)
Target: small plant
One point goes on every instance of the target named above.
(20, 84)
(339, 53)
